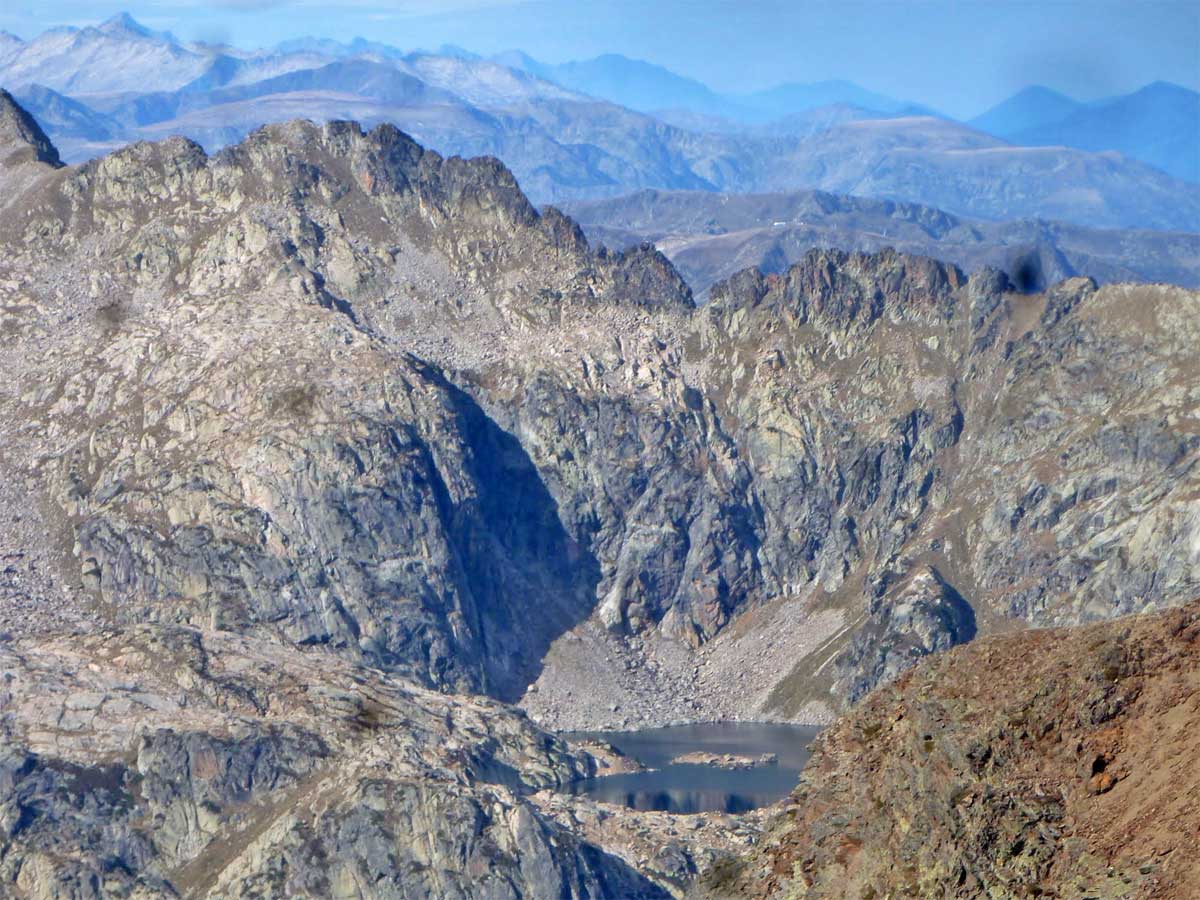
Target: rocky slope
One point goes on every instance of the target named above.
(1053, 763)
(159, 761)
(22, 138)
(329, 388)
(363, 501)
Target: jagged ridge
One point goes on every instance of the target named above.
(585, 441)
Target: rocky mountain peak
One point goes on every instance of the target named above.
(645, 275)
(342, 179)
(125, 25)
(21, 138)
(844, 289)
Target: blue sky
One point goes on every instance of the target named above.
(960, 57)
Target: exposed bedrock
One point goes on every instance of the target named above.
(330, 388)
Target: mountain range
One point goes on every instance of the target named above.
(335, 476)
(597, 128)
(1158, 124)
(651, 88)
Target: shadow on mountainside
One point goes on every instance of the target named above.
(530, 579)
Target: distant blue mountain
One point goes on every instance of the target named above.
(1159, 125)
(1034, 107)
(97, 88)
(792, 98)
(124, 25)
(647, 87)
(66, 117)
(453, 50)
(356, 47)
(522, 62)
(360, 77)
(322, 46)
(634, 83)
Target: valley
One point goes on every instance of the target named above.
(343, 488)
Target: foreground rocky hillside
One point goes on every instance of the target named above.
(159, 761)
(1055, 763)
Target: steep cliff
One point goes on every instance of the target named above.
(21, 138)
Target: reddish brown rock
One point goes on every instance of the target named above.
(964, 778)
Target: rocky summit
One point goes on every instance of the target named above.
(318, 451)
(21, 137)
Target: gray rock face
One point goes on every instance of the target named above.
(409, 542)
(388, 517)
(903, 624)
(670, 525)
(21, 138)
(331, 389)
(273, 773)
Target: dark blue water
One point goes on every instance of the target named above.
(693, 788)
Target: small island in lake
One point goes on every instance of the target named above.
(725, 760)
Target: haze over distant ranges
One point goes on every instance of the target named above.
(959, 56)
(603, 125)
